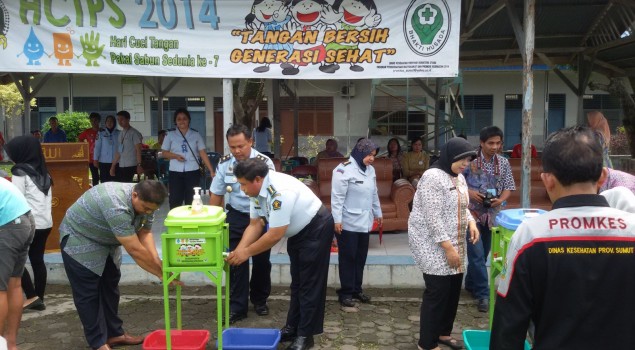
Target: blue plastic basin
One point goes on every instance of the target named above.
(479, 340)
(251, 338)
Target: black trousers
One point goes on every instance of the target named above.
(94, 173)
(181, 186)
(309, 254)
(352, 253)
(96, 299)
(36, 257)
(438, 308)
(126, 174)
(241, 290)
(104, 172)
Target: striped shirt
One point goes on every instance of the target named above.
(94, 222)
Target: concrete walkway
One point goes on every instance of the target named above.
(390, 322)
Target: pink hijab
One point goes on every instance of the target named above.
(598, 123)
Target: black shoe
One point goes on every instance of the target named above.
(233, 318)
(301, 343)
(483, 305)
(362, 297)
(288, 333)
(347, 302)
(37, 304)
(262, 309)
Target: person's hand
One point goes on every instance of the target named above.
(474, 234)
(174, 282)
(476, 196)
(180, 158)
(338, 228)
(496, 202)
(96, 163)
(112, 171)
(139, 169)
(380, 221)
(453, 258)
(237, 257)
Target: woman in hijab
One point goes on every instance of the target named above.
(32, 178)
(600, 127)
(354, 205)
(437, 228)
(105, 147)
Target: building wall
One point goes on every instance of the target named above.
(350, 115)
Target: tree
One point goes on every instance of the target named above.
(616, 88)
(245, 106)
(11, 101)
(73, 123)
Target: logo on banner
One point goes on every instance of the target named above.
(427, 26)
(4, 25)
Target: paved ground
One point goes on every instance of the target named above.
(390, 322)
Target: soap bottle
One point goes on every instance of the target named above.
(197, 203)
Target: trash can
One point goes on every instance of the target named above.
(195, 243)
(507, 221)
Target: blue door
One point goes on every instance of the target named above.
(557, 104)
(513, 120)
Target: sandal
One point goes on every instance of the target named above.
(451, 342)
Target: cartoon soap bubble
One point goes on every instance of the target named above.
(92, 50)
(33, 49)
(63, 48)
(427, 20)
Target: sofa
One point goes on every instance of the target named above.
(538, 198)
(394, 197)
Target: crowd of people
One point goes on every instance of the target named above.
(457, 199)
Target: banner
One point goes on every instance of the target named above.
(299, 39)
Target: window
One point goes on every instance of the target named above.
(315, 114)
(609, 106)
(477, 113)
(45, 107)
(195, 105)
(393, 116)
(102, 105)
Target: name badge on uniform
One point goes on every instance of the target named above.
(359, 182)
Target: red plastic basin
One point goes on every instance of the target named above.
(181, 340)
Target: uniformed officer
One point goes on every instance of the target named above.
(354, 205)
(240, 145)
(292, 210)
(184, 146)
(105, 148)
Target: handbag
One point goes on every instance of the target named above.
(201, 168)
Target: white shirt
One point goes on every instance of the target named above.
(39, 203)
(284, 200)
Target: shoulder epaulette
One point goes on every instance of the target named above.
(262, 157)
(193, 129)
(346, 163)
(101, 129)
(225, 158)
(271, 190)
(172, 129)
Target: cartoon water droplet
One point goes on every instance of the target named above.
(33, 49)
(427, 20)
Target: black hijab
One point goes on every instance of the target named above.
(455, 149)
(26, 152)
(363, 148)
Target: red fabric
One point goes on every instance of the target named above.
(321, 55)
(89, 135)
(517, 151)
(381, 229)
